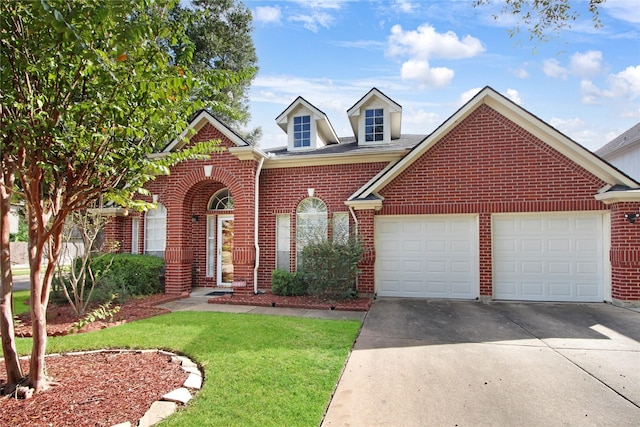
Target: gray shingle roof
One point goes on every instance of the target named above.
(349, 145)
(626, 139)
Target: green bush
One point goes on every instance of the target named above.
(126, 275)
(289, 284)
(331, 268)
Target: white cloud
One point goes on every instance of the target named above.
(580, 131)
(586, 64)
(267, 14)
(513, 95)
(552, 68)
(426, 43)
(419, 119)
(425, 75)
(405, 6)
(521, 73)
(321, 4)
(314, 21)
(467, 95)
(622, 85)
(624, 10)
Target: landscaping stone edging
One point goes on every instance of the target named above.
(168, 404)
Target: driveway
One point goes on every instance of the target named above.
(424, 362)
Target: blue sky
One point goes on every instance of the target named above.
(432, 56)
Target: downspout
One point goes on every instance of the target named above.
(255, 226)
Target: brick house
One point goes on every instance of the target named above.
(494, 204)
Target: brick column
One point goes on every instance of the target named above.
(485, 256)
(178, 270)
(366, 278)
(625, 255)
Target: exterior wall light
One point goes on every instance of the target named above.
(632, 217)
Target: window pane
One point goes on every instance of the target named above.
(341, 227)
(283, 241)
(374, 125)
(155, 230)
(135, 229)
(311, 224)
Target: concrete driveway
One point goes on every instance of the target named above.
(423, 362)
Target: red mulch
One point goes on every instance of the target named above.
(100, 389)
(307, 302)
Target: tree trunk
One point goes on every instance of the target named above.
(9, 352)
(37, 373)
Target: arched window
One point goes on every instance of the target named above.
(311, 224)
(155, 231)
(222, 200)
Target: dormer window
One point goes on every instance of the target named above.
(375, 119)
(374, 125)
(301, 131)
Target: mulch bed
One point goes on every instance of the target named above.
(268, 299)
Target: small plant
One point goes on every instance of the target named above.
(288, 284)
(103, 312)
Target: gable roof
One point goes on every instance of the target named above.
(625, 140)
(521, 117)
(325, 129)
(395, 110)
(200, 119)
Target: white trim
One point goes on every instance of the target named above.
(219, 220)
(333, 159)
(194, 127)
(618, 196)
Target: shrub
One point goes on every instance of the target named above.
(128, 274)
(331, 268)
(289, 284)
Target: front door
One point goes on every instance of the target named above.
(225, 250)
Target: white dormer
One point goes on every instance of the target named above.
(307, 127)
(375, 119)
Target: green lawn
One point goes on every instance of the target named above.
(259, 370)
(20, 304)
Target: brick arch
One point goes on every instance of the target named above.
(182, 188)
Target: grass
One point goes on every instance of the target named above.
(20, 304)
(259, 370)
(20, 271)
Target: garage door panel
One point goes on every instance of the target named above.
(563, 261)
(438, 257)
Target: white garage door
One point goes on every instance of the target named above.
(549, 257)
(427, 256)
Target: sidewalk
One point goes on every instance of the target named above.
(197, 301)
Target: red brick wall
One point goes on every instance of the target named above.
(625, 253)
(281, 190)
(488, 164)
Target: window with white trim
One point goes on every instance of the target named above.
(302, 131)
(222, 200)
(340, 227)
(311, 224)
(135, 232)
(211, 245)
(155, 231)
(283, 242)
(374, 125)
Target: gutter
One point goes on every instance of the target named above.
(255, 226)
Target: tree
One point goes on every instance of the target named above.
(220, 31)
(89, 90)
(540, 17)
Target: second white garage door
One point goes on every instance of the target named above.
(427, 256)
(549, 257)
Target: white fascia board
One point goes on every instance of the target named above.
(198, 123)
(360, 205)
(250, 152)
(618, 196)
(274, 162)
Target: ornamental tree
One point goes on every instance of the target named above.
(88, 90)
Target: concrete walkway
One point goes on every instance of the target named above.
(461, 363)
(198, 302)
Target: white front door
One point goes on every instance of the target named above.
(432, 256)
(549, 257)
(225, 250)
